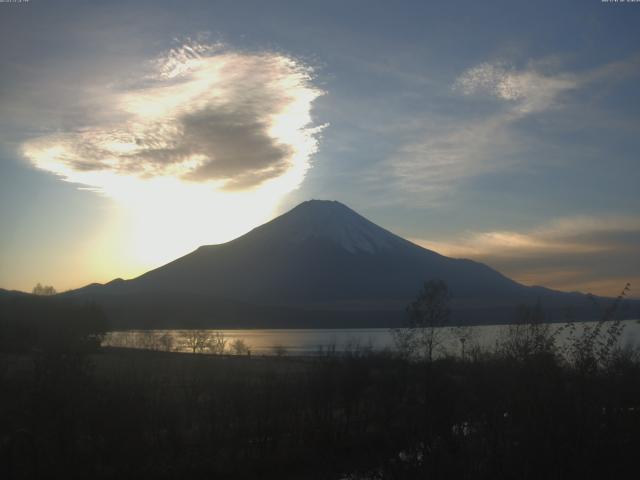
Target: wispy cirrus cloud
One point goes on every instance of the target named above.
(449, 153)
(448, 150)
(580, 234)
(527, 91)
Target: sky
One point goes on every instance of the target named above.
(505, 132)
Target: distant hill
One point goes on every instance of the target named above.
(319, 265)
(11, 293)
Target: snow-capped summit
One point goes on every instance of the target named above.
(330, 221)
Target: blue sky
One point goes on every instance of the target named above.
(506, 132)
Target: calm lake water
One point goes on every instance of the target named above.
(314, 341)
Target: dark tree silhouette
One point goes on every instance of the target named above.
(40, 289)
(429, 311)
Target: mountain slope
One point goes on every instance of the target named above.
(319, 264)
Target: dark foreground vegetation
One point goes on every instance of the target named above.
(137, 414)
(527, 409)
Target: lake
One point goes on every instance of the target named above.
(315, 341)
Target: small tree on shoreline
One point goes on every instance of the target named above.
(197, 341)
(216, 343)
(239, 347)
(427, 313)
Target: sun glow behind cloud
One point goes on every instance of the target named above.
(198, 148)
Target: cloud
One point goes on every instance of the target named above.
(589, 253)
(196, 147)
(200, 113)
(528, 91)
(481, 131)
(449, 154)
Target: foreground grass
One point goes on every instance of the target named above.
(142, 414)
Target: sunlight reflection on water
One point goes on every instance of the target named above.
(315, 341)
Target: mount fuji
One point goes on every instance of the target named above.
(319, 265)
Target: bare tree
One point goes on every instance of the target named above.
(196, 340)
(239, 347)
(427, 313)
(217, 343)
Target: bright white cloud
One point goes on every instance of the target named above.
(202, 114)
